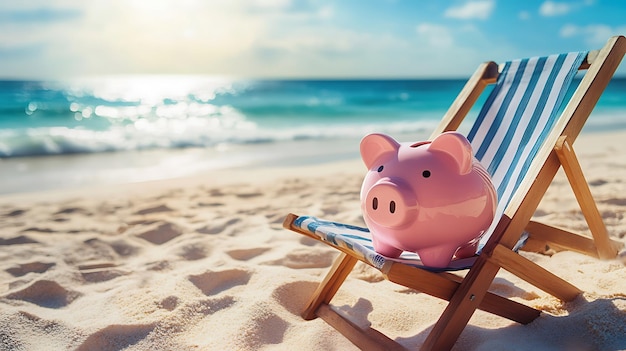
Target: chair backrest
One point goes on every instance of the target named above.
(517, 117)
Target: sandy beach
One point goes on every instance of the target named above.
(203, 263)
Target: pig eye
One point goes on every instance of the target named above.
(426, 174)
(380, 169)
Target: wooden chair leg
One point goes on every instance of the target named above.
(543, 235)
(444, 286)
(462, 306)
(534, 274)
(577, 180)
(328, 287)
(365, 339)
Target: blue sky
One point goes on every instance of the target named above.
(42, 39)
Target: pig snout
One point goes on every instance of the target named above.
(390, 203)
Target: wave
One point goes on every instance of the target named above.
(196, 132)
(172, 135)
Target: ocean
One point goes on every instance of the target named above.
(83, 132)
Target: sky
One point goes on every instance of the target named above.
(51, 39)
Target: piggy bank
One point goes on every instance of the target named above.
(432, 198)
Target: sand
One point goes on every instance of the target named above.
(204, 264)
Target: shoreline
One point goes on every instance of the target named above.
(68, 172)
(72, 173)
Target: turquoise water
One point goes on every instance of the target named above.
(141, 113)
(131, 128)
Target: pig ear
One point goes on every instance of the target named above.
(373, 146)
(457, 146)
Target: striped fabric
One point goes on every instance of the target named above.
(359, 241)
(517, 117)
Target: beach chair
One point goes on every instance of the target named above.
(522, 135)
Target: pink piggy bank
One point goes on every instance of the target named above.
(432, 198)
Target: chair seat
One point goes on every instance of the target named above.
(359, 241)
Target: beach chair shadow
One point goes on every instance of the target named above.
(522, 136)
(578, 330)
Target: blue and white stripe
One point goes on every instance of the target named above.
(359, 241)
(517, 117)
(523, 108)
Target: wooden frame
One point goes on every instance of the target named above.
(466, 294)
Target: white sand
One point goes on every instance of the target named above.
(204, 264)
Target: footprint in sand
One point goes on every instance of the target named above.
(329, 211)
(123, 248)
(163, 233)
(155, 209)
(213, 283)
(204, 307)
(265, 328)
(366, 273)
(102, 275)
(15, 213)
(218, 227)
(71, 210)
(116, 337)
(18, 240)
(210, 204)
(100, 271)
(158, 266)
(217, 304)
(216, 193)
(293, 296)
(39, 230)
(193, 251)
(276, 219)
(598, 182)
(246, 254)
(248, 195)
(30, 267)
(306, 241)
(306, 258)
(95, 265)
(90, 250)
(45, 293)
(169, 303)
(615, 201)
